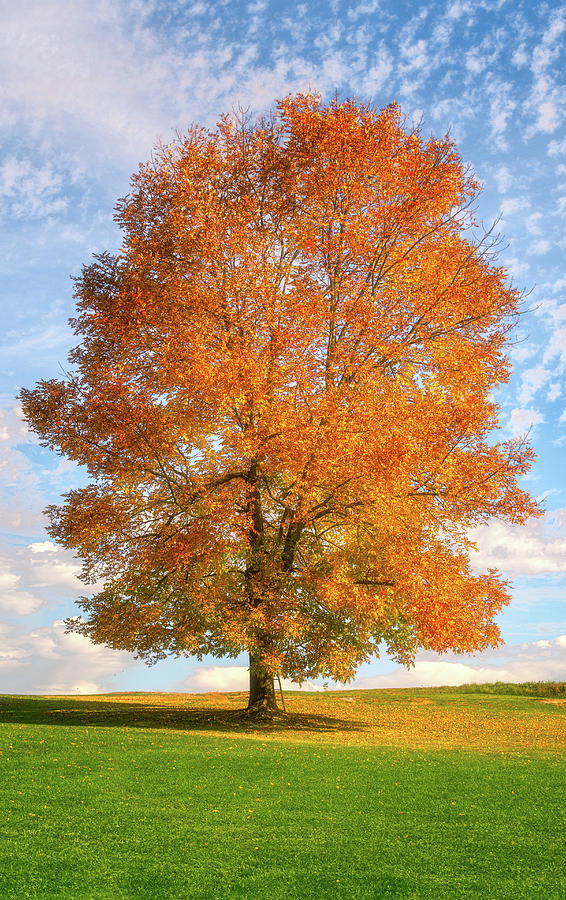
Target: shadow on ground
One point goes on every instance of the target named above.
(190, 717)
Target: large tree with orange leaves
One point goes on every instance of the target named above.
(283, 397)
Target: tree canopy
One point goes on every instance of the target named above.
(283, 396)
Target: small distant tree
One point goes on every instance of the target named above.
(282, 395)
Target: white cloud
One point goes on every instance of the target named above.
(216, 678)
(535, 549)
(428, 674)
(503, 178)
(231, 678)
(106, 81)
(501, 107)
(476, 61)
(20, 603)
(46, 571)
(540, 247)
(548, 116)
(49, 661)
(457, 8)
(513, 205)
(57, 574)
(415, 55)
(30, 576)
(363, 8)
(379, 71)
(522, 420)
(441, 34)
(546, 100)
(521, 352)
(22, 501)
(551, 308)
(29, 191)
(556, 348)
(12, 598)
(536, 661)
(520, 57)
(103, 78)
(532, 381)
(533, 223)
(77, 60)
(44, 547)
(557, 148)
(516, 266)
(550, 46)
(8, 580)
(41, 338)
(12, 426)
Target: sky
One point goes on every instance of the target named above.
(89, 87)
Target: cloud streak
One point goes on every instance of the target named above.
(537, 550)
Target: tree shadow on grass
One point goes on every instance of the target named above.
(175, 717)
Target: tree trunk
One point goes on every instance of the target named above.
(262, 689)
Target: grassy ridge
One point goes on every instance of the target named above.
(122, 806)
(525, 689)
(425, 718)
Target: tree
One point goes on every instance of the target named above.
(282, 395)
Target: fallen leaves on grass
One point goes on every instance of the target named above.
(386, 718)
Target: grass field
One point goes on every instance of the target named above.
(440, 793)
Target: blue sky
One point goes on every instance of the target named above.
(89, 88)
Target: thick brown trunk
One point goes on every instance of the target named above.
(262, 689)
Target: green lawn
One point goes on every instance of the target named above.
(119, 811)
